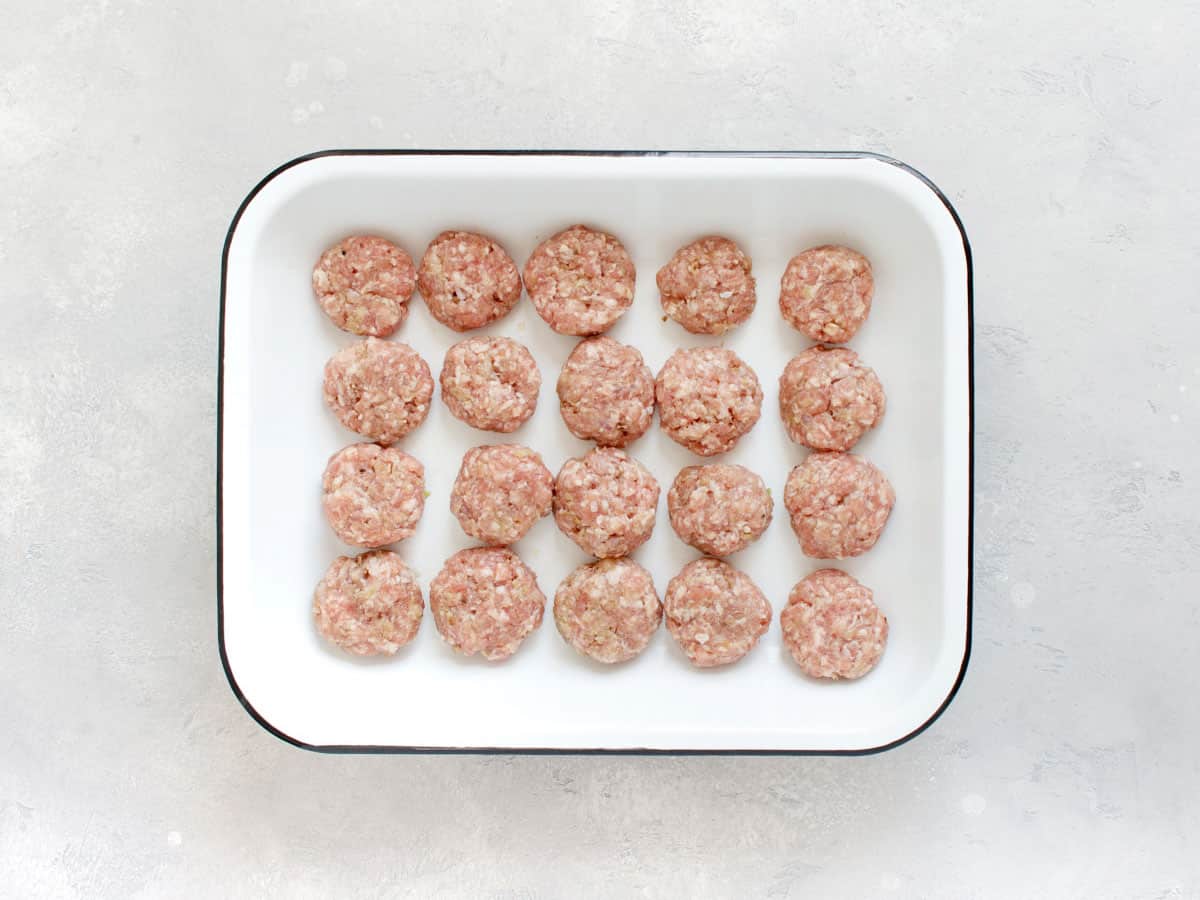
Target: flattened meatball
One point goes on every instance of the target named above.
(373, 495)
(380, 389)
(364, 284)
(608, 610)
(606, 502)
(826, 292)
(715, 612)
(500, 493)
(486, 601)
(491, 383)
(368, 604)
(707, 399)
(832, 627)
(707, 286)
(580, 280)
(828, 399)
(719, 509)
(606, 392)
(838, 503)
(468, 280)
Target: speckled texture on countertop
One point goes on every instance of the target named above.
(1066, 134)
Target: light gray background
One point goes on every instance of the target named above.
(1066, 134)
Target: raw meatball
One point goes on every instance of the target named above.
(719, 509)
(606, 392)
(580, 280)
(500, 493)
(707, 399)
(839, 504)
(606, 502)
(715, 612)
(380, 389)
(368, 604)
(826, 293)
(828, 399)
(707, 286)
(491, 383)
(364, 285)
(832, 627)
(608, 610)
(373, 495)
(468, 280)
(485, 600)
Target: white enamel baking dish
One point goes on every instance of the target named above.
(275, 436)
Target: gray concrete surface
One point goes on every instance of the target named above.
(1066, 133)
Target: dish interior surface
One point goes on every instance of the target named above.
(277, 436)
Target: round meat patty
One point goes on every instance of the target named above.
(468, 280)
(608, 610)
(832, 627)
(828, 399)
(380, 389)
(838, 503)
(500, 493)
(491, 383)
(707, 399)
(606, 392)
(364, 284)
(606, 502)
(368, 604)
(715, 612)
(719, 509)
(373, 495)
(826, 293)
(707, 286)
(486, 601)
(580, 280)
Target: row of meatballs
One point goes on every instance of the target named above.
(606, 501)
(707, 397)
(581, 281)
(485, 600)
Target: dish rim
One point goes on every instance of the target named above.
(380, 749)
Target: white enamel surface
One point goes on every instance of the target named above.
(278, 435)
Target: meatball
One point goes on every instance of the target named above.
(380, 389)
(364, 284)
(606, 392)
(707, 286)
(838, 503)
(606, 502)
(707, 399)
(491, 383)
(486, 601)
(500, 493)
(826, 293)
(468, 280)
(580, 280)
(828, 399)
(832, 627)
(608, 610)
(368, 604)
(715, 612)
(373, 495)
(719, 509)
